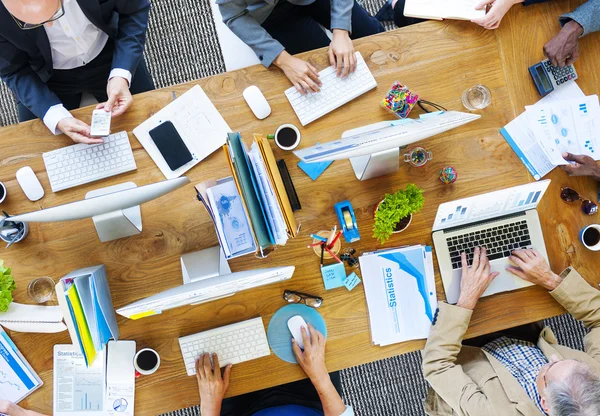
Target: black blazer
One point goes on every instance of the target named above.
(26, 57)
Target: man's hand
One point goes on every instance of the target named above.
(303, 75)
(312, 360)
(494, 16)
(119, 97)
(211, 384)
(532, 267)
(78, 131)
(341, 53)
(475, 279)
(583, 166)
(563, 49)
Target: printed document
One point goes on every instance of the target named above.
(400, 291)
(17, 379)
(521, 136)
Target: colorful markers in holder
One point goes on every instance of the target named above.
(399, 100)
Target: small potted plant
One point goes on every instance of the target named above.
(7, 285)
(394, 213)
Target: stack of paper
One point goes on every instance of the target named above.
(400, 289)
(443, 9)
(85, 298)
(563, 121)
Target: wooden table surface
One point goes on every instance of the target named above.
(439, 60)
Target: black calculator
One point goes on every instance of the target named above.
(548, 77)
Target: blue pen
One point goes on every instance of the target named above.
(317, 237)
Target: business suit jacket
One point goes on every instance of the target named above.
(469, 381)
(26, 57)
(244, 18)
(587, 15)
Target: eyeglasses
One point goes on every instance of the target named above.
(298, 297)
(570, 195)
(430, 107)
(60, 12)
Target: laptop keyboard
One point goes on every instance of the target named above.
(499, 242)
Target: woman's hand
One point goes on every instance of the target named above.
(211, 384)
(312, 359)
(494, 16)
(341, 53)
(303, 75)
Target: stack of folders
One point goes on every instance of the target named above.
(84, 297)
(400, 289)
(251, 210)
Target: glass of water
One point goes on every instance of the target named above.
(477, 97)
(41, 290)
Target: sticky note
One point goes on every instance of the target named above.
(315, 169)
(351, 281)
(333, 275)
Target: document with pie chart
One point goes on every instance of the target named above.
(571, 126)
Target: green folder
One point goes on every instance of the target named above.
(242, 172)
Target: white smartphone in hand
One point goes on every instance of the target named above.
(100, 123)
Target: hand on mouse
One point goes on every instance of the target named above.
(312, 359)
(303, 75)
(211, 384)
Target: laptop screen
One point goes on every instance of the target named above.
(490, 205)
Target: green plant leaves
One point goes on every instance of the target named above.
(394, 208)
(7, 285)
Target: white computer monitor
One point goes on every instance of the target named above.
(373, 150)
(205, 290)
(115, 209)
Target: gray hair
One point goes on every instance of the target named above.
(577, 395)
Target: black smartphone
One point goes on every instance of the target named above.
(170, 145)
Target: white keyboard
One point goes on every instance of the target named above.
(83, 163)
(335, 92)
(235, 343)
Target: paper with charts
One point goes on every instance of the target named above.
(400, 289)
(78, 389)
(17, 378)
(568, 126)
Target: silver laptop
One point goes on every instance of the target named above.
(500, 221)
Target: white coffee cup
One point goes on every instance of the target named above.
(149, 361)
(2, 192)
(287, 137)
(591, 232)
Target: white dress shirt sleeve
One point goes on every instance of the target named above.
(119, 72)
(54, 115)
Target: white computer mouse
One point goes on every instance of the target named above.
(295, 323)
(257, 102)
(30, 184)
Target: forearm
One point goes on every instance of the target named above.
(330, 398)
(578, 297)
(341, 14)
(587, 16)
(131, 35)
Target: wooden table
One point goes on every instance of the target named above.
(439, 61)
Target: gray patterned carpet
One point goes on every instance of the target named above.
(182, 46)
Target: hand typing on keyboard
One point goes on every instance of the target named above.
(211, 383)
(475, 279)
(303, 75)
(341, 53)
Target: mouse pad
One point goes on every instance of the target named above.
(279, 335)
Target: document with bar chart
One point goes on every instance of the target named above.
(78, 389)
(17, 378)
(490, 205)
(571, 126)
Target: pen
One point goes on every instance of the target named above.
(331, 235)
(334, 240)
(322, 252)
(332, 254)
(317, 237)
